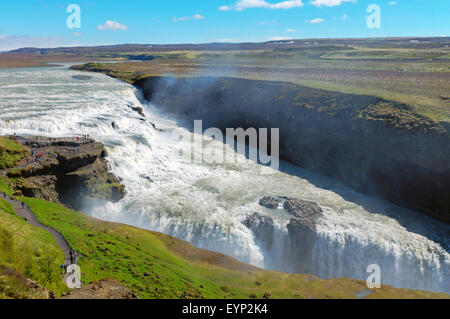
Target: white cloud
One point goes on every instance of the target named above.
(198, 16)
(194, 17)
(344, 17)
(329, 3)
(392, 3)
(112, 25)
(225, 8)
(249, 4)
(279, 38)
(77, 34)
(290, 30)
(317, 20)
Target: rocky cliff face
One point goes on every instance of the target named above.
(67, 170)
(301, 233)
(379, 147)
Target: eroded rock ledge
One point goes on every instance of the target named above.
(65, 170)
(301, 229)
(305, 213)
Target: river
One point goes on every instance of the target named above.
(205, 204)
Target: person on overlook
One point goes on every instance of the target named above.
(64, 269)
(72, 257)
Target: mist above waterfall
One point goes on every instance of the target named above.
(206, 204)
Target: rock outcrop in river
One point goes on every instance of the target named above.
(65, 170)
(301, 229)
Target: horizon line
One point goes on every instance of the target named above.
(222, 43)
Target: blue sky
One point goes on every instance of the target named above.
(42, 23)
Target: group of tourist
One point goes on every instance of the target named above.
(83, 136)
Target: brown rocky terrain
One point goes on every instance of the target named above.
(103, 289)
(64, 170)
(15, 285)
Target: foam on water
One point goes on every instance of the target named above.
(206, 203)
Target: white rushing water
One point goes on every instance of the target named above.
(206, 203)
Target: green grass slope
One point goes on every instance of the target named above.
(26, 252)
(10, 152)
(154, 265)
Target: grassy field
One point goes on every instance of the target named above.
(26, 252)
(415, 71)
(27, 60)
(10, 152)
(422, 82)
(154, 265)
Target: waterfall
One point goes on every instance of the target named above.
(206, 204)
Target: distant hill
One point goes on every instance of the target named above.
(416, 42)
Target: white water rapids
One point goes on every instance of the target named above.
(206, 203)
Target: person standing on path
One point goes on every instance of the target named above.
(23, 205)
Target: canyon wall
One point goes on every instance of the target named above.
(65, 170)
(378, 147)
